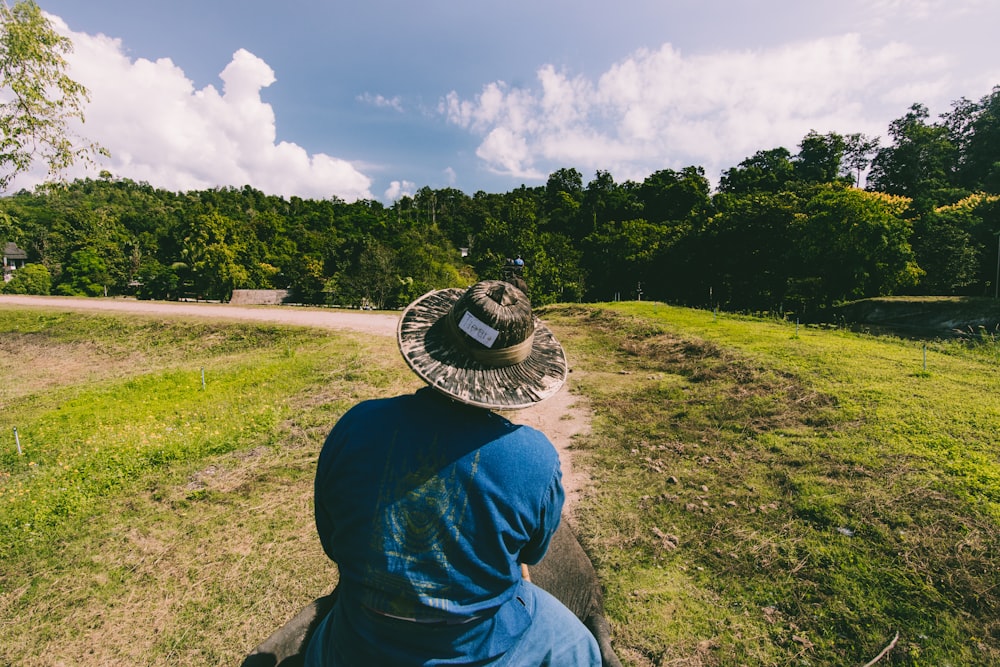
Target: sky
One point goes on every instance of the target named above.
(375, 99)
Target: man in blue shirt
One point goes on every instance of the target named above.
(430, 503)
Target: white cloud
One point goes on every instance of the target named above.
(382, 102)
(399, 189)
(160, 129)
(659, 109)
(506, 151)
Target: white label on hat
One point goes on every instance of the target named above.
(478, 329)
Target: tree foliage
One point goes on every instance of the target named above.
(974, 129)
(921, 161)
(783, 232)
(30, 279)
(39, 98)
(856, 245)
(764, 171)
(85, 274)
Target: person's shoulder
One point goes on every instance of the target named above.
(527, 437)
(373, 407)
(527, 451)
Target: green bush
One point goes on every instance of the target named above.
(30, 279)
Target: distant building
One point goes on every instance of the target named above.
(13, 259)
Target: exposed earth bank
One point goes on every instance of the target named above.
(925, 317)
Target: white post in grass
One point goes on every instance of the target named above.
(17, 441)
(203, 378)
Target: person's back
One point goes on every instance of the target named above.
(429, 507)
(430, 502)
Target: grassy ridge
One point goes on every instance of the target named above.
(763, 494)
(780, 495)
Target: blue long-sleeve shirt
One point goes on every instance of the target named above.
(428, 507)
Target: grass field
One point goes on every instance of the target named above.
(777, 495)
(151, 521)
(763, 494)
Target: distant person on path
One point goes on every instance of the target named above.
(430, 502)
(513, 273)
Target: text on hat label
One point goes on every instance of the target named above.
(478, 329)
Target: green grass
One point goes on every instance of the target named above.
(779, 495)
(763, 494)
(151, 519)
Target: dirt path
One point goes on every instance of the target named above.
(377, 323)
(561, 417)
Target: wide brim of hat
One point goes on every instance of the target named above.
(425, 342)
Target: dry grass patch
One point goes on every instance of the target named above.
(34, 367)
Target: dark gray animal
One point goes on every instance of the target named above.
(566, 572)
(286, 647)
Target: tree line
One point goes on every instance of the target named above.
(782, 232)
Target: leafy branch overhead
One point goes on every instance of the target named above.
(39, 99)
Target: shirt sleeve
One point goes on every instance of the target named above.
(324, 519)
(326, 486)
(549, 515)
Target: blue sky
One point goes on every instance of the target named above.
(374, 99)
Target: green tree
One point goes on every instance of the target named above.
(753, 251)
(859, 149)
(855, 244)
(919, 164)
(553, 270)
(820, 158)
(561, 204)
(306, 280)
(944, 250)
(86, 274)
(213, 250)
(453, 212)
(425, 260)
(42, 97)
(620, 255)
(157, 281)
(986, 235)
(30, 279)
(375, 277)
(604, 201)
(974, 128)
(509, 228)
(673, 196)
(764, 171)
(7, 227)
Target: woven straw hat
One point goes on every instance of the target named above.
(482, 346)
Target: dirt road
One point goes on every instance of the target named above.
(561, 417)
(377, 323)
